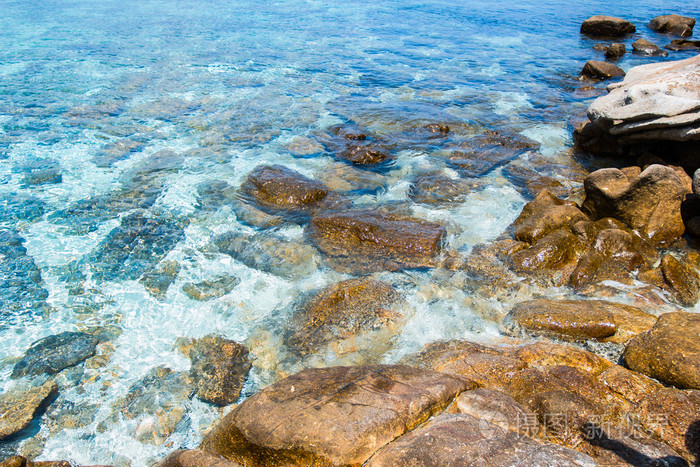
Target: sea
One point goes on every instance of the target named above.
(126, 128)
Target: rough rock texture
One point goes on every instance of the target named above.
(543, 215)
(682, 280)
(497, 408)
(670, 351)
(285, 258)
(461, 439)
(219, 368)
(483, 153)
(644, 47)
(673, 24)
(364, 155)
(364, 241)
(579, 319)
(279, 188)
(195, 458)
(683, 44)
(653, 106)
(54, 353)
(607, 26)
(337, 415)
(551, 354)
(21, 461)
(649, 203)
(18, 408)
(601, 70)
(615, 51)
(343, 310)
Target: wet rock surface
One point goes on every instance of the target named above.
(211, 288)
(601, 70)
(669, 352)
(607, 26)
(366, 241)
(219, 368)
(342, 311)
(269, 253)
(645, 47)
(157, 280)
(673, 24)
(19, 407)
(54, 353)
(135, 247)
(337, 415)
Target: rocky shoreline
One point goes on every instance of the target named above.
(609, 378)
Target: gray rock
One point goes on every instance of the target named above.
(134, 247)
(644, 47)
(54, 353)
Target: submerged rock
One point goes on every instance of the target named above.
(15, 207)
(285, 258)
(670, 351)
(331, 416)
(212, 288)
(481, 154)
(42, 172)
(19, 407)
(365, 155)
(601, 70)
(361, 240)
(462, 439)
(649, 203)
(673, 24)
(157, 401)
(157, 281)
(54, 353)
(219, 368)
(278, 188)
(607, 26)
(341, 311)
(116, 151)
(134, 247)
(683, 44)
(437, 188)
(21, 289)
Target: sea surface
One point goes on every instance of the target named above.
(127, 126)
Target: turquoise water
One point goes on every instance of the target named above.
(114, 110)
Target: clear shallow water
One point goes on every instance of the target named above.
(92, 93)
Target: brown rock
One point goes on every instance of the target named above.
(497, 408)
(682, 280)
(365, 155)
(195, 458)
(342, 310)
(629, 384)
(219, 368)
(556, 250)
(644, 47)
(615, 51)
(544, 214)
(18, 408)
(434, 188)
(568, 319)
(607, 26)
(670, 352)
(671, 416)
(461, 439)
(673, 24)
(601, 70)
(21, 461)
(278, 188)
(357, 240)
(592, 138)
(331, 416)
(551, 354)
(682, 44)
(649, 203)
(483, 153)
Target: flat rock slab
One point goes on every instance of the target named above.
(670, 351)
(18, 408)
(462, 439)
(607, 26)
(54, 353)
(331, 416)
(578, 319)
(363, 240)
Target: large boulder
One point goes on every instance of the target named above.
(606, 26)
(19, 407)
(673, 24)
(649, 203)
(364, 240)
(331, 416)
(670, 351)
(462, 439)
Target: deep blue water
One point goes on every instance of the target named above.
(93, 92)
